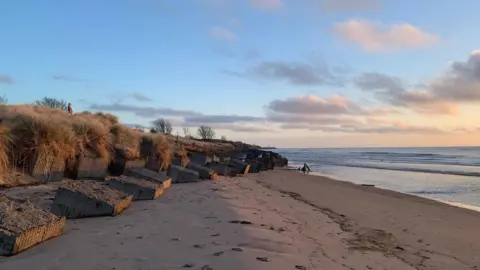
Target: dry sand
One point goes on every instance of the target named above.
(246, 223)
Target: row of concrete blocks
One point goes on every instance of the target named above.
(21, 229)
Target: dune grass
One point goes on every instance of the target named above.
(29, 131)
(157, 144)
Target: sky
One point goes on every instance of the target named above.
(286, 73)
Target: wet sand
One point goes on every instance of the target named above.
(273, 220)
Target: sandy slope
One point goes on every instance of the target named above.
(197, 225)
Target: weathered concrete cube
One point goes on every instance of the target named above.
(120, 164)
(224, 169)
(89, 199)
(182, 175)
(149, 175)
(254, 167)
(23, 225)
(138, 188)
(240, 165)
(199, 158)
(86, 167)
(154, 163)
(203, 171)
(43, 167)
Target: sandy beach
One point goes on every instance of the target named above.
(273, 220)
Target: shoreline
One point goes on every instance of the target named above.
(471, 207)
(277, 219)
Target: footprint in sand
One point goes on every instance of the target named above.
(243, 222)
(218, 253)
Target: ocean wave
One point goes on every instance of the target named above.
(420, 170)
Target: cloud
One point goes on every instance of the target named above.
(292, 73)
(374, 37)
(120, 97)
(243, 128)
(223, 34)
(350, 5)
(148, 112)
(268, 4)
(5, 79)
(459, 84)
(62, 77)
(393, 91)
(313, 105)
(220, 119)
(335, 114)
(140, 97)
(342, 126)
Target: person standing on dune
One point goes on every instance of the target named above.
(69, 108)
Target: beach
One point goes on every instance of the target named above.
(278, 219)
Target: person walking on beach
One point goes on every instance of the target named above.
(69, 108)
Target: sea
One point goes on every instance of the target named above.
(447, 174)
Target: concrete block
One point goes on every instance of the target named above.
(154, 163)
(149, 175)
(23, 225)
(85, 167)
(254, 168)
(203, 171)
(138, 188)
(182, 175)
(119, 165)
(199, 158)
(240, 165)
(89, 199)
(44, 168)
(224, 169)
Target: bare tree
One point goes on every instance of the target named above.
(3, 100)
(206, 133)
(223, 138)
(186, 133)
(52, 103)
(162, 125)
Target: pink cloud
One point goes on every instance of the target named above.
(374, 37)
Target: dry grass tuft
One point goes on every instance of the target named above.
(127, 140)
(92, 136)
(41, 135)
(5, 148)
(183, 154)
(158, 145)
(107, 118)
(48, 131)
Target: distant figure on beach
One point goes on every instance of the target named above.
(305, 168)
(69, 108)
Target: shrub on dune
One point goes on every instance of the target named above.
(126, 140)
(158, 145)
(39, 136)
(92, 136)
(5, 146)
